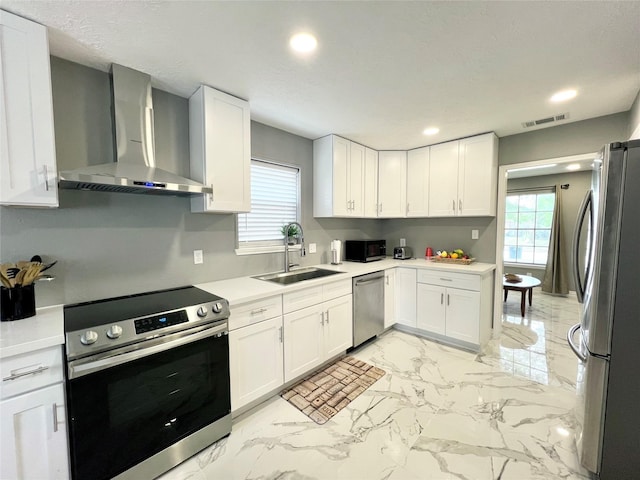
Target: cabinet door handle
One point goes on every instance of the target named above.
(459, 205)
(441, 298)
(259, 311)
(447, 299)
(446, 279)
(281, 334)
(387, 278)
(380, 208)
(327, 317)
(453, 205)
(322, 318)
(15, 376)
(407, 208)
(46, 178)
(55, 417)
(353, 204)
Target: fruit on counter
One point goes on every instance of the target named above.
(457, 253)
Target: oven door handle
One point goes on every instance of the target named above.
(79, 368)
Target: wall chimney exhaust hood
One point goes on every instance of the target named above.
(134, 170)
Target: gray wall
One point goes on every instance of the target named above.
(570, 139)
(110, 244)
(634, 116)
(579, 184)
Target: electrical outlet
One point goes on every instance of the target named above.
(528, 274)
(403, 242)
(474, 234)
(312, 248)
(198, 257)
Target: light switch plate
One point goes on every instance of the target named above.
(474, 234)
(198, 257)
(312, 248)
(403, 242)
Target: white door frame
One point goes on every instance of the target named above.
(502, 196)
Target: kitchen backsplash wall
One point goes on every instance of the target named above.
(443, 234)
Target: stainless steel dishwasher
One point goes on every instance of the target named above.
(368, 306)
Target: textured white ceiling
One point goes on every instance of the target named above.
(383, 70)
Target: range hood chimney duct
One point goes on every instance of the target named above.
(134, 170)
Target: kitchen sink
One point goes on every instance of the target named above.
(286, 278)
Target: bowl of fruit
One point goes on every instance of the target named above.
(453, 256)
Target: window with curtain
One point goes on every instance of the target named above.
(528, 220)
(275, 200)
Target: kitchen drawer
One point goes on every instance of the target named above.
(254, 312)
(464, 281)
(301, 299)
(336, 289)
(22, 373)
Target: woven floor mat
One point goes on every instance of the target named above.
(327, 391)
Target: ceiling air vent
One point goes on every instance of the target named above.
(543, 121)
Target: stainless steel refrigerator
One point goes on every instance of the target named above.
(607, 339)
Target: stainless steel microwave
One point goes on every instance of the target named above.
(365, 250)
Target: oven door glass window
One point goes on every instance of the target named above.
(125, 414)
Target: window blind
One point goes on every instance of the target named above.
(274, 203)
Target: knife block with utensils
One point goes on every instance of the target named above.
(17, 303)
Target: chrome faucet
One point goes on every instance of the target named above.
(286, 244)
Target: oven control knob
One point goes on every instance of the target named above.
(217, 307)
(88, 337)
(202, 312)
(114, 331)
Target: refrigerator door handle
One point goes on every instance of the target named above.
(574, 347)
(586, 206)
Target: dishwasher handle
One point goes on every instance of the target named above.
(365, 282)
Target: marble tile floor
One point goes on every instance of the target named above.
(439, 413)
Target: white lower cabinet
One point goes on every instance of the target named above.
(406, 296)
(32, 415)
(255, 361)
(318, 325)
(430, 313)
(303, 331)
(454, 306)
(338, 325)
(389, 297)
(448, 311)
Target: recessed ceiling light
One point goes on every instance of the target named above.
(431, 131)
(573, 166)
(303, 42)
(563, 96)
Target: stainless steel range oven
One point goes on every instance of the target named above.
(147, 381)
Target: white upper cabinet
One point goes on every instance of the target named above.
(338, 177)
(370, 183)
(443, 179)
(478, 176)
(463, 177)
(28, 172)
(392, 184)
(220, 150)
(418, 182)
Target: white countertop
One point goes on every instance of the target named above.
(45, 329)
(246, 289)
